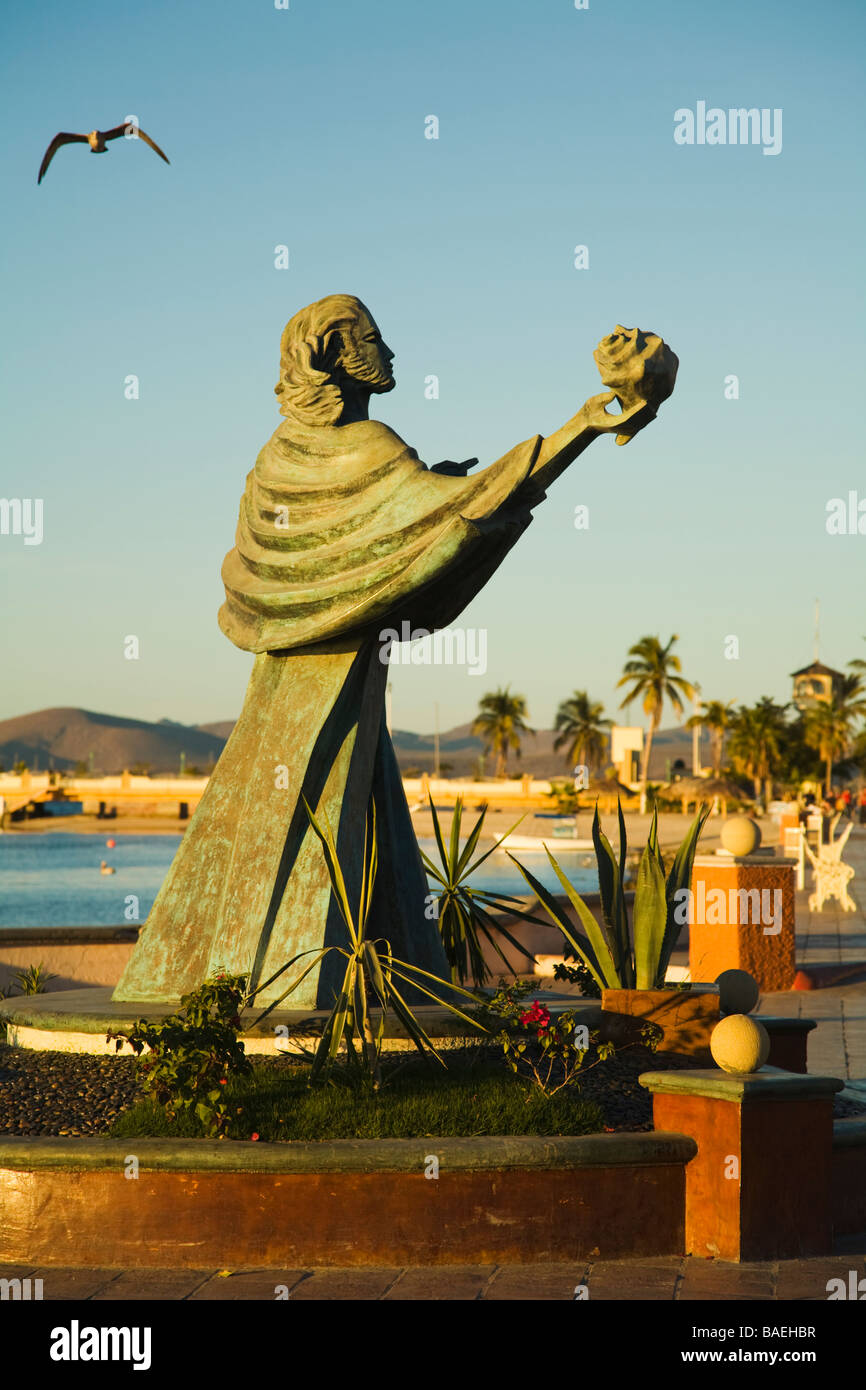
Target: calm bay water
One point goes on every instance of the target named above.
(53, 880)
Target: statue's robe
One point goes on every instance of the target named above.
(343, 533)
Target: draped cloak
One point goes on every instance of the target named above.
(343, 527)
(343, 533)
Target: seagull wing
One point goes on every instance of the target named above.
(63, 138)
(153, 145)
(142, 135)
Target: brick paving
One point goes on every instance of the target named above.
(664, 1280)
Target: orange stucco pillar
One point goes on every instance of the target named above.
(788, 820)
(759, 1187)
(742, 917)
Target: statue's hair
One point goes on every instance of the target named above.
(309, 353)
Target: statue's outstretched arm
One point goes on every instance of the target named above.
(592, 420)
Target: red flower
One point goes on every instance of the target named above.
(539, 1015)
(223, 1083)
(254, 1136)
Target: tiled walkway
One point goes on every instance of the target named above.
(665, 1280)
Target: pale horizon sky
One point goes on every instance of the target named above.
(305, 127)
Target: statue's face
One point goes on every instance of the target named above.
(365, 358)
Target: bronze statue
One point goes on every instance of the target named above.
(343, 534)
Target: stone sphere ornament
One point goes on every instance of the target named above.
(740, 836)
(739, 1044)
(739, 991)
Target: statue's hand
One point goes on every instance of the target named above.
(625, 425)
(453, 470)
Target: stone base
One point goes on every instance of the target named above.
(78, 1020)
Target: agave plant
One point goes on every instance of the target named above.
(464, 915)
(615, 958)
(371, 974)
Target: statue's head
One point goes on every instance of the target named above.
(327, 350)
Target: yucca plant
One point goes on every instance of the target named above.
(34, 979)
(371, 975)
(615, 958)
(464, 915)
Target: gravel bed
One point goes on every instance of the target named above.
(56, 1093)
(62, 1092)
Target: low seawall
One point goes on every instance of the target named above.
(76, 956)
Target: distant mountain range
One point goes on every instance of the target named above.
(70, 739)
(67, 740)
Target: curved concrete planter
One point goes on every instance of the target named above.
(197, 1204)
(200, 1204)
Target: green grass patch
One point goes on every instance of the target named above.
(277, 1104)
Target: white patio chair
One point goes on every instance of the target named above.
(834, 849)
(831, 877)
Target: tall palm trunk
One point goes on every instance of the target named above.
(644, 772)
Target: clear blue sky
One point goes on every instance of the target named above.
(306, 127)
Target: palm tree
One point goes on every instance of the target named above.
(500, 721)
(583, 730)
(652, 669)
(829, 727)
(757, 735)
(715, 716)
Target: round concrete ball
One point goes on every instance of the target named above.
(738, 991)
(740, 836)
(740, 1044)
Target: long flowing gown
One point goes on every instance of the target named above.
(343, 534)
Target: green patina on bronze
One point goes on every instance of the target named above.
(343, 535)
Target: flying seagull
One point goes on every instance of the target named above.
(97, 140)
